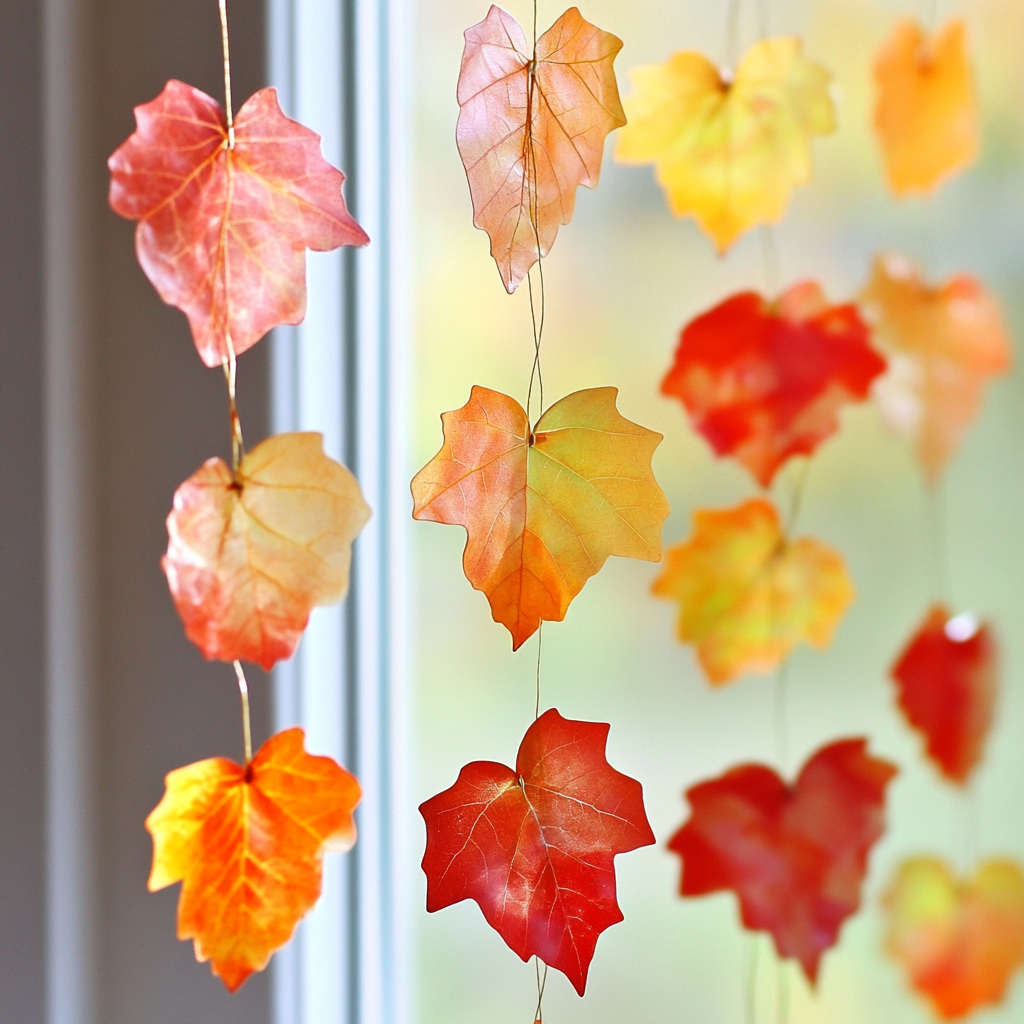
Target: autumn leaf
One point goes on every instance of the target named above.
(728, 150)
(763, 381)
(943, 343)
(795, 855)
(252, 553)
(960, 940)
(947, 682)
(543, 509)
(535, 847)
(247, 844)
(926, 109)
(223, 231)
(531, 129)
(747, 595)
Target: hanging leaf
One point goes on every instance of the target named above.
(531, 130)
(795, 855)
(535, 847)
(543, 508)
(944, 343)
(960, 941)
(252, 553)
(747, 595)
(223, 232)
(728, 151)
(763, 381)
(926, 110)
(247, 844)
(947, 680)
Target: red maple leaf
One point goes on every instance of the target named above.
(535, 847)
(795, 855)
(764, 381)
(223, 232)
(947, 683)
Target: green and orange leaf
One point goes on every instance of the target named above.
(543, 508)
(247, 844)
(251, 553)
(747, 595)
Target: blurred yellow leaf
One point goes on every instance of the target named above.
(728, 151)
(747, 595)
(926, 110)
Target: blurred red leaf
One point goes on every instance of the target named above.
(535, 847)
(223, 232)
(947, 683)
(528, 141)
(795, 855)
(763, 381)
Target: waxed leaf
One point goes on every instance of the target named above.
(747, 595)
(252, 553)
(960, 940)
(543, 509)
(223, 232)
(926, 108)
(535, 846)
(944, 342)
(795, 855)
(529, 139)
(947, 684)
(247, 845)
(728, 150)
(763, 381)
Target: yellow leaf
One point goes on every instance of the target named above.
(747, 595)
(728, 152)
(543, 509)
(926, 111)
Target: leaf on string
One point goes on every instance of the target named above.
(947, 682)
(528, 141)
(795, 855)
(247, 844)
(747, 595)
(926, 109)
(944, 343)
(252, 553)
(960, 940)
(763, 381)
(223, 232)
(543, 509)
(535, 846)
(728, 150)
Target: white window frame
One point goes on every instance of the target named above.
(340, 67)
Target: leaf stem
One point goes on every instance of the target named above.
(243, 689)
(227, 71)
(540, 639)
(230, 365)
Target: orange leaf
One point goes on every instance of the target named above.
(947, 680)
(747, 595)
(728, 150)
(223, 232)
(926, 111)
(251, 554)
(527, 139)
(763, 381)
(248, 844)
(543, 509)
(943, 342)
(960, 940)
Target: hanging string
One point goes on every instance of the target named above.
(227, 72)
(732, 38)
(750, 993)
(771, 261)
(781, 991)
(934, 511)
(537, 319)
(542, 981)
(764, 26)
(540, 638)
(230, 365)
(243, 689)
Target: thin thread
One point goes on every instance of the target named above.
(540, 638)
(781, 992)
(931, 13)
(796, 501)
(970, 825)
(771, 262)
(537, 321)
(764, 19)
(732, 42)
(935, 531)
(781, 725)
(538, 1014)
(227, 72)
(230, 365)
(243, 689)
(750, 995)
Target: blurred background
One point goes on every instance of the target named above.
(622, 280)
